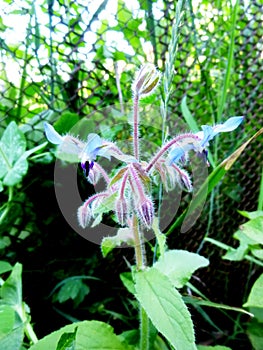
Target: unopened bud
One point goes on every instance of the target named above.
(146, 80)
(146, 212)
(94, 176)
(183, 178)
(121, 209)
(84, 215)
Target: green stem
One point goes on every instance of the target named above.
(141, 264)
(138, 245)
(144, 330)
(30, 333)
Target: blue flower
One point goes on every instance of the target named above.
(180, 151)
(52, 135)
(85, 152)
(209, 132)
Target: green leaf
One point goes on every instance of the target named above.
(124, 235)
(5, 267)
(245, 243)
(165, 307)
(251, 214)
(253, 229)
(14, 339)
(106, 204)
(160, 237)
(118, 176)
(255, 300)
(13, 143)
(73, 289)
(131, 337)
(255, 334)
(188, 116)
(16, 173)
(13, 155)
(217, 347)
(127, 280)
(65, 122)
(197, 301)
(11, 290)
(258, 253)
(92, 335)
(179, 265)
(67, 341)
(7, 320)
(187, 219)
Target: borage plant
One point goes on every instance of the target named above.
(128, 193)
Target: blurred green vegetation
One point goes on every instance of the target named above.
(62, 61)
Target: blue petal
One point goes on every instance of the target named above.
(208, 134)
(94, 143)
(52, 135)
(175, 155)
(230, 125)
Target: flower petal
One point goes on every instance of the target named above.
(92, 147)
(175, 155)
(229, 125)
(208, 134)
(52, 135)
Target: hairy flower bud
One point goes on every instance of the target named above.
(121, 209)
(84, 215)
(184, 179)
(145, 211)
(94, 176)
(146, 80)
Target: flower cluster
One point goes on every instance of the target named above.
(128, 192)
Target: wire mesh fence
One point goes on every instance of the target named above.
(70, 58)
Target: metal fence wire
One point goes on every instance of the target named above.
(62, 57)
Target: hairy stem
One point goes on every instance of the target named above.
(138, 245)
(103, 172)
(136, 126)
(140, 264)
(168, 145)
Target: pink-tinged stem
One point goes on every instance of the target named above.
(113, 147)
(103, 172)
(123, 184)
(134, 177)
(167, 146)
(136, 126)
(92, 198)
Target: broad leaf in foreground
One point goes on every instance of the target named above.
(92, 335)
(165, 307)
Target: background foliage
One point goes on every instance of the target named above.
(62, 60)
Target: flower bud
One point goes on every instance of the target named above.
(146, 212)
(84, 215)
(184, 179)
(94, 176)
(146, 80)
(121, 209)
